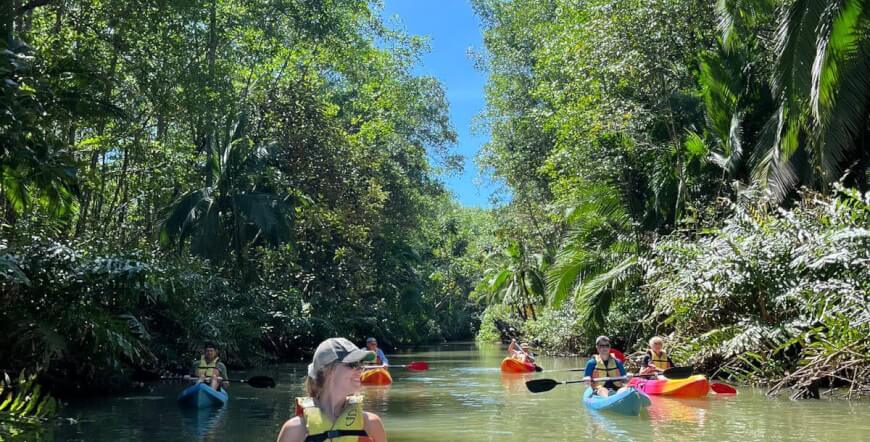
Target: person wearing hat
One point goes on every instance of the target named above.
(372, 346)
(332, 411)
(604, 365)
(520, 352)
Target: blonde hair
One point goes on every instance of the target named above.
(314, 387)
(656, 340)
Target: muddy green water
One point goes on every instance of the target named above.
(464, 397)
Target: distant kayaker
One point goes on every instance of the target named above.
(656, 358)
(332, 411)
(210, 366)
(380, 358)
(520, 352)
(605, 365)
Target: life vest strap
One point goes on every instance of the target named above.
(334, 434)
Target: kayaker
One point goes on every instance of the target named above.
(210, 366)
(605, 365)
(520, 352)
(372, 346)
(332, 411)
(656, 358)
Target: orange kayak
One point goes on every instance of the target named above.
(376, 376)
(511, 365)
(693, 386)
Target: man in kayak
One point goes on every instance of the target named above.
(332, 410)
(604, 365)
(380, 358)
(520, 352)
(656, 358)
(210, 366)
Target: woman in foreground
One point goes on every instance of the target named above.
(332, 411)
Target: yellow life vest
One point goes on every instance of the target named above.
(348, 427)
(205, 369)
(660, 360)
(602, 370)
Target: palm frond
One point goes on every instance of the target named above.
(595, 295)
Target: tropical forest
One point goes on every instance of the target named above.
(261, 175)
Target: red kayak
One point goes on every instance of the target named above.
(693, 386)
(511, 365)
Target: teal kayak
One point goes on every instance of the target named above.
(202, 396)
(628, 402)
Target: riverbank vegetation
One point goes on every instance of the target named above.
(265, 174)
(692, 169)
(260, 174)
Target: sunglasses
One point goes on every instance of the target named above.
(353, 365)
(603, 345)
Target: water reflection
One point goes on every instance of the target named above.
(515, 382)
(204, 423)
(667, 410)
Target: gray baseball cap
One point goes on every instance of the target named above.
(336, 349)
(602, 340)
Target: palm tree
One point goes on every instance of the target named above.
(598, 261)
(820, 91)
(515, 277)
(238, 210)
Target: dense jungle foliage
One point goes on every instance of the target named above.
(264, 174)
(260, 174)
(693, 169)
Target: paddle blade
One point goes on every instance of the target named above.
(261, 382)
(538, 368)
(720, 388)
(678, 372)
(541, 385)
(617, 354)
(418, 366)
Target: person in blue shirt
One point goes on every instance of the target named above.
(372, 346)
(605, 365)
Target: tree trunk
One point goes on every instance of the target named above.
(87, 195)
(8, 19)
(210, 123)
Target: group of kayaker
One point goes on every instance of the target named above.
(604, 364)
(332, 409)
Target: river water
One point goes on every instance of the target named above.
(465, 397)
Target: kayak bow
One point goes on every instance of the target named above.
(202, 396)
(629, 402)
(376, 376)
(511, 365)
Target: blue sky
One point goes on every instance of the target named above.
(452, 28)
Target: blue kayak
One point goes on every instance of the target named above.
(628, 402)
(202, 396)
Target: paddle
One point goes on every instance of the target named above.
(538, 368)
(254, 381)
(413, 366)
(671, 373)
(542, 385)
(720, 388)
